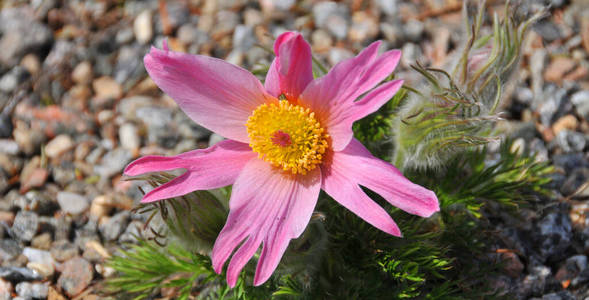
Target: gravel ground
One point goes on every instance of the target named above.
(77, 106)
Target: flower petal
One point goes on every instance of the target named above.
(292, 69)
(383, 178)
(215, 94)
(333, 95)
(267, 205)
(209, 168)
(350, 195)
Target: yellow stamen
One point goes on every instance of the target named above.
(287, 136)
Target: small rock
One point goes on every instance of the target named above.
(131, 233)
(53, 294)
(12, 79)
(72, 203)
(143, 27)
(414, 30)
(32, 290)
(5, 290)
(558, 68)
(251, 17)
(111, 228)
(9, 249)
(321, 40)
(513, 265)
(40, 260)
(581, 101)
(388, 7)
(337, 55)
(364, 27)
(554, 235)
(107, 88)
(19, 274)
(82, 73)
(63, 250)
(59, 145)
(129, 137)
(567, 122)
(101, 206)
(76, 276)
(571, 141)
(124, 36)
(31, 63)
(25, 225)
(22, 34)
(113, 162)
(574, 181)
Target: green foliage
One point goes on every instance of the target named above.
(146, 268)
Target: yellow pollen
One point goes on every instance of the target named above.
(287, 136)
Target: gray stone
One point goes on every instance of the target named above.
(9, 249)
(21, 34)
(112, 228)
(9, 146)
(32, 290)
(581, 102)
(113, 162)
(243, 38)
(388, 7)
(414, 30)
(554, 235)
(570, 141)
(10, 81)
(336, 55)
(72, 203)
(25, 225)
(63, 250)
(124, 36)
(574, 181)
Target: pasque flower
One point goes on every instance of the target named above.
(286, 140)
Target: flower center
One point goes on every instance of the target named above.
(287, 136)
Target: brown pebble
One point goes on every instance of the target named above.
(54, 294)
(76, 276)
(559, 67)
(568, 122)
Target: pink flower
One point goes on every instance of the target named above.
(280, 153)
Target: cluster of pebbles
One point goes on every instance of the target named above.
(76, 106)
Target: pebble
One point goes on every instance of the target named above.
(557, 68)
(111, 228)
(113, 162)
(76, 276)
(571, 141)
(59, 145)
(581, 101)
(5, 290)
(107, 88)
(82, 73)
(54, 294)
(12, 79)
(25, 225)
(8, 146)
(19, 274)
(41, 259)
(143, 27)
(129, 137)
(567, 122)
(574, 180)
(21, 34)
(554, 235)
(32, 290)
(72, 203)
(62, 250)
(9, 249)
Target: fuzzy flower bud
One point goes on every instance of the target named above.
(455, 110)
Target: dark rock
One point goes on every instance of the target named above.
(548, 30)
(571, 161)
(562, 295)
(536, 281)
(574, 181)
(581, 279)
(553, 235)
(25, 225)
(19, 274)
(76, 276)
